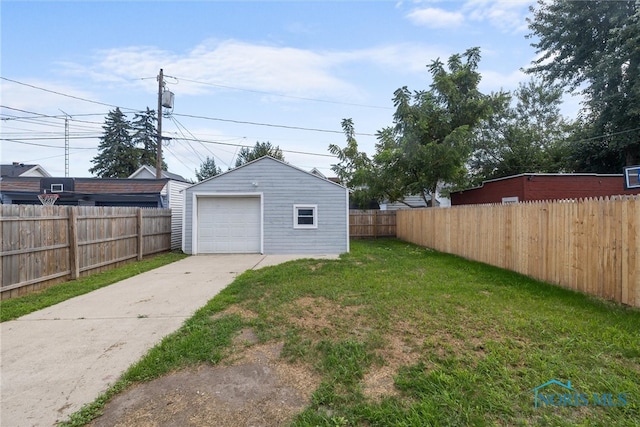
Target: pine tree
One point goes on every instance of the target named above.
(261, 149)
(145, 138)
(117, 155)
(208, 169)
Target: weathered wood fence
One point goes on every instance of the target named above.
(44, 245)
(592, 246)
(372, 223)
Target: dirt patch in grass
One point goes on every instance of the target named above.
(257, 388)
(235, 309)
(401, 348)
(321, 318)
(254, 385)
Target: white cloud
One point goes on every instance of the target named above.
(258, 67)
(436, 18)
(506, 15)
(401, 58)
(494, 81)
(232, 63)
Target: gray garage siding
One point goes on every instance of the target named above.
(282, 186)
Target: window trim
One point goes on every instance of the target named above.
(297, 208)
(57, 188)
(510, 200)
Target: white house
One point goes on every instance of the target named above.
(173, 193)
(17, 169)
(266, 206)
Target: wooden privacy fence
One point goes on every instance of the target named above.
(372, 223)
(592, 246)
(44, 245)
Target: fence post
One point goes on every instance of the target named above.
(375, 224)
(140, 235)
(74, 262)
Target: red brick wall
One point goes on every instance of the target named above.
(544, 187)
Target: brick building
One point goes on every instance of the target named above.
(540, 186)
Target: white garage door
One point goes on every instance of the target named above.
(228, 225)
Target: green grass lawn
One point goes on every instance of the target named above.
(465, 343)
(15, 307)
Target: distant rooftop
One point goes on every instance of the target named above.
(20, 169)
(150, 172)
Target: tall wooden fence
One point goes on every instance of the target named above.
(372, 223)
(44, 245)
(592, 246)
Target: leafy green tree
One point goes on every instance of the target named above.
(529, 136)
(431, 140)
(208, 169)
(117, 155)
(145, 137)
(261, 149)
(594, 47)
(354, 168)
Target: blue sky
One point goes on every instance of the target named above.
(284, 72)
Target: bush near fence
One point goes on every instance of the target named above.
(371, 224)
(591, 246)
(45, 245)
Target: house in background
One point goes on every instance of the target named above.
(174, 194)
(541, 186)
(147, 193)
(17, 169)
(266, 206)
(149, 172)
(141, 189)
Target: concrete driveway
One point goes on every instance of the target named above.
(60, 358)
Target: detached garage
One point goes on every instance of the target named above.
(266, 206)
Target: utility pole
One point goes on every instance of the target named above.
(159, 143)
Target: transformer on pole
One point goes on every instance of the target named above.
(165, 99)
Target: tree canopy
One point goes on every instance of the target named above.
(594, 47)
(526, 135)
(117, 157)
(207, 169)
(246, 154)
(429, 143)
(145, 137)
(126, 146)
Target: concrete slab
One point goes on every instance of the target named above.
(57, 359)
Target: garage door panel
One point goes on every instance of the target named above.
(228, 224)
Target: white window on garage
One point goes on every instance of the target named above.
(305, 216)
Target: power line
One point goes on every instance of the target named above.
(249, 146)
(48, 138)
(19, 141)
(267, 124)
(178, 125)
(57, 116)
(68, 96)
(279, 94)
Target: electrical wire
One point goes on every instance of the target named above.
(267, 124)
(250, 146)
(68, 96)
(44, 145)
(178, 124)
(276, 94)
